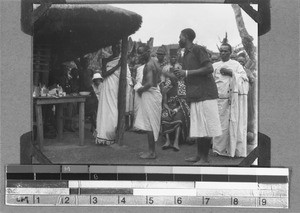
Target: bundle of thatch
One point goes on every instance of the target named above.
(80, 29)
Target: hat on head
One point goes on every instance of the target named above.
(161, 50)
(97, 75)
(173, 52)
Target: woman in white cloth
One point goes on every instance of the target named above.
(107, 115)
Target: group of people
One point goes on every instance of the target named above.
(188, 98)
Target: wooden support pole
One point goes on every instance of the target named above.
(122, 92)
(40, 127)
(81, 123)
(59, 120)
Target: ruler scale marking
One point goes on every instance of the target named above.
(81, 185)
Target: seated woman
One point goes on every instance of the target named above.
(175, 113)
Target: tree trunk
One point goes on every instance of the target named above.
(247, 41)
(122, 92)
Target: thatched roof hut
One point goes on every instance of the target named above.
(78, 29)
(71, 31)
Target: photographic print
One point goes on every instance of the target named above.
(144, 84)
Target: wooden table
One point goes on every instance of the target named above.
(39, 101)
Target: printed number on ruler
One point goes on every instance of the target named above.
(122, 200)
(178, 200)
(235, 201)
(94, 200)
(67, 200)
(95, 177)
(149, 200)
(262, 202)
(37, 199)
(206, 200)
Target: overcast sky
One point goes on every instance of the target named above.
(164, 22)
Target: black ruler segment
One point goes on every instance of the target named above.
(104, 176)
(242, 178)
(75, 176)
(74, 191)
(160, 177)
(131, 176)
(146, 176)
(186, 177)
(89, 191)
(47, 176)
(19, 176)
(272, 179)
(219, 178)
(36, 184)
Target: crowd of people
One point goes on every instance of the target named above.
(192, 98)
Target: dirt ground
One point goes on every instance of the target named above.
(68, 151)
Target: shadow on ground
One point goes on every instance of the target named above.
(68, 151)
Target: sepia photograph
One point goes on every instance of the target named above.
(175, 84)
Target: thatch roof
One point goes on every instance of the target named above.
(81, 29)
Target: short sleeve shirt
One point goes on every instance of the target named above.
(201, 87)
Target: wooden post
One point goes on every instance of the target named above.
(122, 92)
(59, 120)
(81, 123)
(39, 122)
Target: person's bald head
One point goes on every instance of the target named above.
(189, 34)
(186, 36)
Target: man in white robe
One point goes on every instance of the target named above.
(233, 87)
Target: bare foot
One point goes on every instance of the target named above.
(176, 148)
(214, 154)
(148, 155)
(192, 159)
(202, 162)
(167, 145)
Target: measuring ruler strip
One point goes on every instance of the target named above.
(147, 188)
(81, 169)
(131, 200)
(147, 173)
(56, 185)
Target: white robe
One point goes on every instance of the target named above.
(107, 114)
(139, 79)
(149, 112)
(232, 105)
